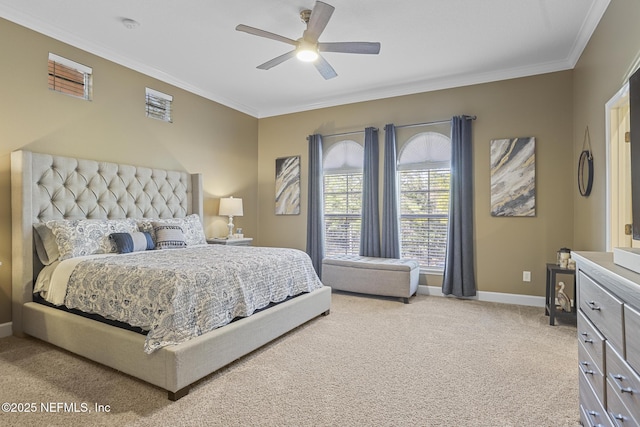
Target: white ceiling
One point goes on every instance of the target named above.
(426, 44)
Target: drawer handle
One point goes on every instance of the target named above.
(595, 414)
(593, 305)
(586, 339)
(585, 370)
(621, 378)
(619, 417)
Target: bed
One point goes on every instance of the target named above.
(46, 188)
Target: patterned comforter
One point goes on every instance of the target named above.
(180, 294)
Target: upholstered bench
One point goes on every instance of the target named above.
(369, 275)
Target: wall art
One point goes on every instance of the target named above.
(513, 177)
(288, 185)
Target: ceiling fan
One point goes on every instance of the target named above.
(307, 47)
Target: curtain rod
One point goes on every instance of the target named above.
(398, 127)
(344, 133)
(439, 122)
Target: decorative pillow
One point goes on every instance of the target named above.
(169, 236)
(132, 242)
(190, 225)
(81, 237)
(45, 243)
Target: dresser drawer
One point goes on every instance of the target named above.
(624, 382)
(632, 336)
(591, 411)
(593, 375)
(603, 309)
(620, 415)
(592, 340)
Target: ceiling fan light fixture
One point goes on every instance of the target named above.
(307, 55)
(306, 52)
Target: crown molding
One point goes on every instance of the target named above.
(375, 93)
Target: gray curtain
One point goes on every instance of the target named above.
(315, 209)
(370, 228)
(390, 247)
(459, 275)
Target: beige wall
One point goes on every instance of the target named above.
(204, 137)
(536, 106)
(236, 153)
(604, 67)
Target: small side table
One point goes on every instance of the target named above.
(243, 241)
(551, 309)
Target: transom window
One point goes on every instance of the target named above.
(69, 77)
(158, 105)
(424, 171)
(342, 166)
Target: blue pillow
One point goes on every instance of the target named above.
(132, 242)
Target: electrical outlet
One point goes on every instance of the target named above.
(526, 276)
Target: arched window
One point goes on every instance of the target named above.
(342, 167)
(424, 170)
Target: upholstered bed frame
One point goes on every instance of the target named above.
(45, 187)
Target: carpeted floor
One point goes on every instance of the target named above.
(371, 362)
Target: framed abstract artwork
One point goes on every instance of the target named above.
(513, 177)
(288, 185)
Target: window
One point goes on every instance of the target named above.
(342, 164)
(158, 105)
(68, 77)
(424, 179)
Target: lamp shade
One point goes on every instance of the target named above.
(230, 207)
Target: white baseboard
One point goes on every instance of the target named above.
(6, 329)
(517, 299)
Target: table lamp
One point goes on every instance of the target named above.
(230, 207)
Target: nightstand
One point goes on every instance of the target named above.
(244, 241)
(551, 309)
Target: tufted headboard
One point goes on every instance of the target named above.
(45, 187)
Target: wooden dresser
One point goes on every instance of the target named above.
(609, 341)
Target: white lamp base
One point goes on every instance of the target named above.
(230, 225)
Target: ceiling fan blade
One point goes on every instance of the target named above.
(325, 68)
(372, 48)
(320, 16)
(265, 34)
(277, 60)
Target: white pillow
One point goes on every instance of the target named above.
(79, 237)
(45, 243)
(169, 236)
(190, 225)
